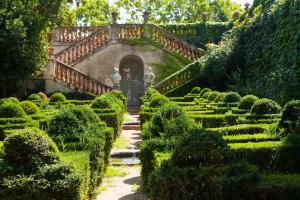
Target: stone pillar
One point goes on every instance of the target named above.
(146, 15)
(51, 63)
(114, 28)
(147, 31)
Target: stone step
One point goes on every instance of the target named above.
(136, 127)
(126, 162)
(125, 153)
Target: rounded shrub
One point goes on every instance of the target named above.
(206, 95)
(170, 120)
(158, 101)
(34, 97)
(119, 94)
(290, 116)
(199, 148)
(28, 149)
(213, 95)
(11, 110)
(232, 97)
(43, 96)
(13, 100)
(205, 90)
(265, 106)
(247, 102)
(29, 107)
(196, 90)
(220, 97)
(101, 103)
(58, 97)
(147, 96)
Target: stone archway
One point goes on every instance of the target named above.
(132, 83)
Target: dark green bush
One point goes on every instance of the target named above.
(290, 117)
(119, 94)
(199, 148)
(220, 97)
(27, 150)
(102, 103)
(247, 102)
(232, 97)
(196, 90)
(150, 92)
(30, 108)
(213, 95)
(169, 121)
(35, 97)
(57, 97)
(11, 110)
(158, 101)
(206, 95)
(204, 90)
(265, 106)
(108, 101)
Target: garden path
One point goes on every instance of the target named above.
(127, 187)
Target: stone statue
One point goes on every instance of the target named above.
(149, 77)
(114, 17)
(116, 78)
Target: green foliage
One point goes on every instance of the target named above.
(13, 100)
(57, 97)
(220, 97)
(109, 101)
(43, 96)
(232, 97)
(147, 96)
(35, 97)
(27, 150)
(158, 101)
(247, 102)
(205, 90)
(290, 117)
(199, 148)
(30, 108)
(265, 106)
(119, 94)
(213, 95)
(196, 90)
(11, 110)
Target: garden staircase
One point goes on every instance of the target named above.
(86, 41)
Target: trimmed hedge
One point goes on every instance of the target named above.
(11, 110)
(290, 118)
(265, 106)
(247, 102)
(57, 97)
(232, 97)
(30, 108)
(158, 101)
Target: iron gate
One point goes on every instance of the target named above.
(133, 89)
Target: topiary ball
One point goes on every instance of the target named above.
(150, 92)
(43, 96)
(232, 97)
(290, 116)
(205, 90)
(27, 150)
(247, 102)
(265, 106)
(220, 97)
(196, 90)
(13, 100)
(57, 97)
(11, 110)
(158, 101)
(102, 103)
(199, 148)
(206, 95)
(119, 94)
(213, 95)
(34, 97)
(29, 107)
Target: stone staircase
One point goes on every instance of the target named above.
(83, 42)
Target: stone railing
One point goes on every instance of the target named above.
(73, 34)
(130, 31)
(79, 50)
(175, 44)
(179, 78)
(77, 80)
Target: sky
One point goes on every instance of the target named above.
(242, 2)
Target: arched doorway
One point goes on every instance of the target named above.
(132, 83)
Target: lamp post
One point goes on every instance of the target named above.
(149, 78)
(116, 78)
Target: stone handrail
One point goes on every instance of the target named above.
(76, 79)
(73, 34)
(130, 31)
(175, 44)
(179, 78)
(80, 49)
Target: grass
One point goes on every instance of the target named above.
(256, 145)
(79, 159)
(121, 143)
(250, 138)
(113, 171)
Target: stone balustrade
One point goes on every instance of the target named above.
(130, 31)
(79, 50)
(76, 79)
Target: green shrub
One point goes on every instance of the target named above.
(213, 95)
(11, 110)
(102, 103)
(43, 96)
(13, 100)
(150, 92)
(27, 150)
(108, 101)
(158, 101)
(247, 102)
(290, 117)
(196, 90)
(57, 97)
(119, 94)
(220, 97)
(265, 106)
(232, 97)
(199, 148)
(35, 97)
(204, 90)
(30, 108)
(169, 121)
(206, 95)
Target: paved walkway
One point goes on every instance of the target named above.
(129, 186)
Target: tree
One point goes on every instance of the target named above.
(24, 29)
